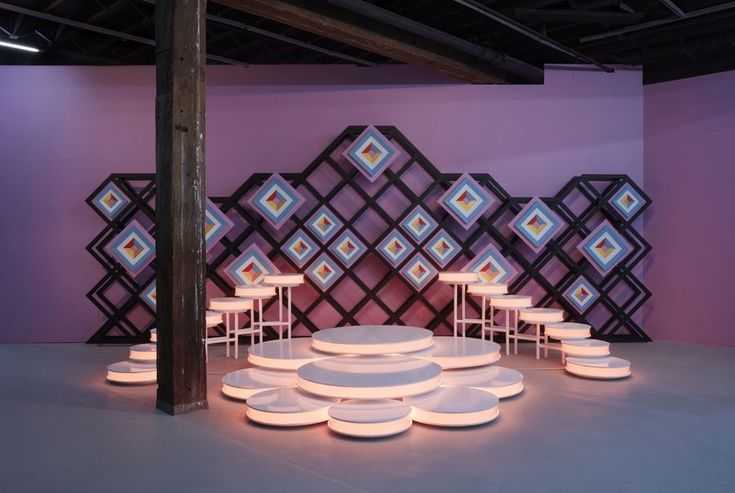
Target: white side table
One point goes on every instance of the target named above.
(459, 280)
(284, 282)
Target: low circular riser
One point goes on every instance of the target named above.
(371, 418)
(288, 407)
(585, 348)
(286, 354)
(130, 372)
(370, 430)
(463, 352)
(243, 384)
(143, 352)
(454, 407)
(497, 380)
(372, 339)
(605, 368)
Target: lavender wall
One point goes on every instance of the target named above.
(689, 173)
(64, 129)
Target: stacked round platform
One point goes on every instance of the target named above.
(373, 381)
(140, 369)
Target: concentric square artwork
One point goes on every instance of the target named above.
(581, 294)
(492, 266)
(324, 271)
(604, 248)
(627, 201)
(276, 200)
(324, 224)
(419, 224)
(300, 248)
(371, 153)
(536, 224)
(418, 271)
(249, 268)
(348, 248)
(110, 201)
(442, 247)
(133, 247)
(466, 200)
(395, 248)
(216, 225)
(149, 295)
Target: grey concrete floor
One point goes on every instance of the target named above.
(669, 428)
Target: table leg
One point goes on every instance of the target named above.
(280, 312)
(482, 318)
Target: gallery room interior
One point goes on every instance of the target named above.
(367, 245)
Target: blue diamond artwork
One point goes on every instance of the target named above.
(395, 248)
(604, 248)
(149, 295)
(348, 248)
(627, 201)
(324, 224)
(110, 201)
(300, 248)
(581, 294)
(466, 200)
(276, 200)
(371, 153)
(216, 225)
(419, 271)
(536, 224)
(442, 248)
(419, 224)
(250, 267)
(491, 266)
(133, 247)
(324, 271)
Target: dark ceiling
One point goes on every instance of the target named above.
(671, 39)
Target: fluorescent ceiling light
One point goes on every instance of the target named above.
(19, 47)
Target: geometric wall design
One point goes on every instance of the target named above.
(376, 287)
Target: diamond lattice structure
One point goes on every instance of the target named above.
(419, 271)
(300, 248)
(250, 267)
(371, 153)
(324, 224)
(605, 248)
(395, 248)
(582, 295)
(536, 224)
(324, 271)
(348, 248)
(276, 200)
(466, 200)
(110, 201)
(491, 266)
(442, 247)
(419, 224)
(133, 247)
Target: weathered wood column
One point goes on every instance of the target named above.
(180, 204)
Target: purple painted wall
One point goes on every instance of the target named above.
(689, 173)
(64, 129)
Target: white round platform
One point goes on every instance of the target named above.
(567, 330)
(154, 335)
(370, 418)
(131, 372)
(243, 384)
(255, 292)
(585, 348)
(284, 280)
(143, 352)
(458, 277)
(454, 406)
(500, 381)
(541, 315)
(605, 368)
(286, 354)
(511, 301)
(487, 289)
(288, 407)
(463, 352)
(372, 339)
(212, 318)
(369, 377)
(230, 305)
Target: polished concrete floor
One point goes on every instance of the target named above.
(669, 428)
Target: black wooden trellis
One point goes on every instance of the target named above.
(125, 322)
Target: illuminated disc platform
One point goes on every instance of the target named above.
(284, 280)
(372, 339)
(567, 330)
(132, 372)
(454, 406)
(288, 407)
(487, 289)
(511, 301)
(458, 277)
(463, 352)
(243, 384)
(143, 352)
(370, 418)
(585, 348)
(369, 377)
(541, 315)
(500, 381)
(286, 354)
(605, 368)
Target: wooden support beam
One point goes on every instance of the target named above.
(379, 31)
(180, 204)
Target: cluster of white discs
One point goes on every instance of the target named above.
(372, 381)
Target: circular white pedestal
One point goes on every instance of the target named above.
(567, 330)
(154, 335)
(372, 339)
(454, 406)
(255, 292)
(463, 352)
(458, 277)
(585, 348)
(511, 301)
(284, 280)
(288, 407)
(369, 377)
(370, 418)
(500, 381)
(131, 372)
(541, 315)
(230, 305)
(490, 289)
(605, 368)
(212, 318)
(143, 352)
(243, 384)
(286, 354)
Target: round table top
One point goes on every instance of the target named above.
(369, 410)
(213, 318)
(454, 400)
(458, 277)
(284, 354)
(541, 315)
(230, 305)
(372, 339)
(567, 330)
(283, 280)
(287, 400)
(511, 301)
(463, 352)
(255, 292)
(487, 289)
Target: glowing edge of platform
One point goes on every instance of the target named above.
(142, 355)
(597, 372)
(459, 362)
(373, 349)
(394, 392)
(280, 363)
(370, 430)
(454, 419)
(140, 377)
(241, 393)
(288, 419)
(586, 352)
(503, 391)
